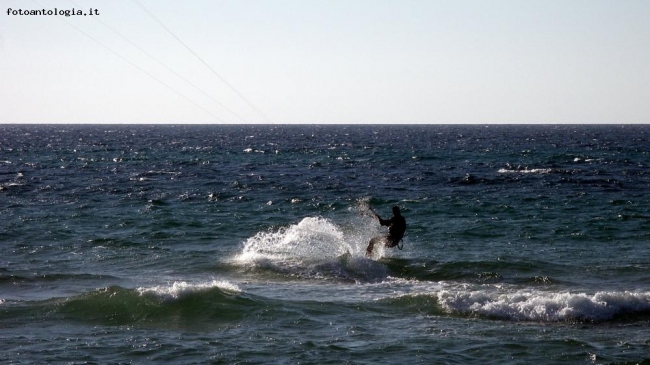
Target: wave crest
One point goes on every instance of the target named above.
(180, 288)
(545, 307)
(178, 305)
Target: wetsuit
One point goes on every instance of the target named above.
(396, 228)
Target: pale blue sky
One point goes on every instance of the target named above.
(328, 61)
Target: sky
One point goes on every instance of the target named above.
(326, 61)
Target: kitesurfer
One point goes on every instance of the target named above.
(396, 228)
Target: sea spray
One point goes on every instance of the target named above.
(310, 239)
(315, 248)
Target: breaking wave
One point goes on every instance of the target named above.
(545, 306)
(177, 305)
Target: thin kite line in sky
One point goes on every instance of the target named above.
(134, 65)
(241, 96)
(164, 65)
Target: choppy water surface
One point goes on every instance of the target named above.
(246, 244)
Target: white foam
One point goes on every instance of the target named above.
(543, 306)
(316, 248)
(525, 171)
(180, 288)
(312, 238)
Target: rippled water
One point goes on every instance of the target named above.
(246, 244)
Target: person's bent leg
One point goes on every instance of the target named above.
(371, 245)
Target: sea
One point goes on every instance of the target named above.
(246, 244)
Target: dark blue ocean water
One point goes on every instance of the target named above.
(245, 244)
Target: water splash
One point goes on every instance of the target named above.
(315, 248)
(310, 239)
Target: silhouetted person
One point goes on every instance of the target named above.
(396, 228)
